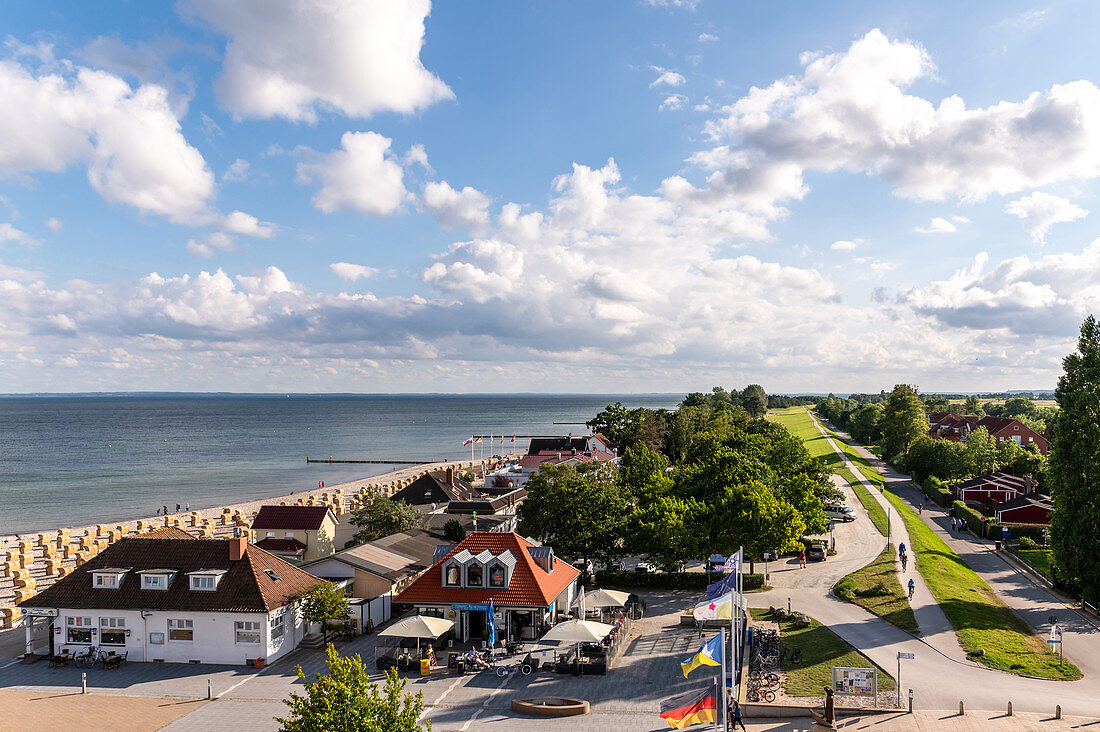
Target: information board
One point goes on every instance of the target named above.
(855, 681)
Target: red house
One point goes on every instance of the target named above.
(1004, 428)
(1033, 508)
(991, 489)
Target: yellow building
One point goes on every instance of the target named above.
(301, 533)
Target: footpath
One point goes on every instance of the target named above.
(935, 629)
(1030, 600)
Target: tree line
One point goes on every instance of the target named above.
(708, 477)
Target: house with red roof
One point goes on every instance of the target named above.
(561, 451)
(528, 586)
(299, 533)
(1004, 428)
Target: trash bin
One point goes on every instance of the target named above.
(749, 634)
(997, 546)
(425, 666)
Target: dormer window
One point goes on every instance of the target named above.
(496, 576)
(452, 576)
(156, 579)
(108, 578)
(474, 576)
(206, 580)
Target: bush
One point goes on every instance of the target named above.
(975, 521)
(1026, 542)
(1035, 532)
(454, 530)
(669, 580)
(938, 491)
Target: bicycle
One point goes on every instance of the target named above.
(87, 659)
(912, 589)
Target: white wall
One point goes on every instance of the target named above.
(214, 636)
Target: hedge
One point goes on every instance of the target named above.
(1032, 531)
(975, 521)
(669, 580)
(938, 491)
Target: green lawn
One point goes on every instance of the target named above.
(979, 617)
(862, 464)
(874, 508)
(821, 650)
(876, 588)
(802, 426)
(1037, 559)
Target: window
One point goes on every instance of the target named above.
(496, 576)
(277, 625)
(270, 535)
(248, 632)
(106, 581)
(181, 630)
(431, 612)
(203, 582)
(271, 573)
(1016, 427)
(112, 631)
(154, 582)
(78, 630)
(288, 534)
(473, 575)
(452, 576)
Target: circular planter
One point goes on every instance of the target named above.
(550, 706)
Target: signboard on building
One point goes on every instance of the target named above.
(855, 681)
(482, 608)
(41, 612)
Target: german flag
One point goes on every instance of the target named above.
(693, 707)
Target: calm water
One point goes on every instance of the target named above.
(70, 461)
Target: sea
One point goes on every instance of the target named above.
(78, 460)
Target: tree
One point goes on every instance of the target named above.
(656, 526)
(344, 699)
(865, 424)
(324, 602)
(617, 423)
(579, 511)
(1073, 470)
(973, 406)
(754, 400)
(981, 450)
(903, 420)
(384, 517)
(454, 530)
(1017, 407)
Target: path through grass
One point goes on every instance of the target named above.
(874, 509)
(802, 426)
(821, 650)
(876, 588)
(980, 618)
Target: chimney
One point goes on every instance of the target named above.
(450, 476)
(237, 548)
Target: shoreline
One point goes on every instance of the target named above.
(249, 506)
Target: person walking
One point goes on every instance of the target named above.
(166, 510)
(177, 508)
(920, 509)
(735, 715)
(802, 559)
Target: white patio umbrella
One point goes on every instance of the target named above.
(605, 598)
(578, 631)
(418, 626)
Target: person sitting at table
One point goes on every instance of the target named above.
(476, 661)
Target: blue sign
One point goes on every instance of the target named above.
(1006, 534)
(483, 608)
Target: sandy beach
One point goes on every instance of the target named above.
(248, 507)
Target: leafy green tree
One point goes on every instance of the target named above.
(754, 400)
(972, 405)
(657, 525)
(454, 530)
(981, 450)
(617, 423)
(903, 420)
(865, 423)
(579, 511)
(1018, 407)
(944, 459)
(343, 699)
(323, 603)
(384, 517)
(1073, 472)
(937, 404)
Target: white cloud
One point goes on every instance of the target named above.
(468, 208)
(12, 234)
(54, 224)
(352, 272)
(707, 37)
(239, 222)
(850, 111)
(237, 171)
(673, 102)
(667, 77)
(938, 225)
(843, 245)
(1039, 211)
(294, 58)
(687, 4)
(129, 139)
(361, 176)
(417, 156)
(212, 243)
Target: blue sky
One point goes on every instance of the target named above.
(397, 196)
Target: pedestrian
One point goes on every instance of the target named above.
(177, 508)
(188, 507)
(802, 559)
(166, 510)
(921, 509)
(735, 716)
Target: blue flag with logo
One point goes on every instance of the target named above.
(723, 586)
(492, 625)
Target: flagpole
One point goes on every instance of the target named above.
(721, 716)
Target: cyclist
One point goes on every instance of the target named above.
(904, 562)
(912, 587)
(901, 547)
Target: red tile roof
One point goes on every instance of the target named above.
(245, 587)
(290, 518)
(167, 532)
(530, 585)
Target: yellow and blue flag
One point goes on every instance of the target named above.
(709, 655)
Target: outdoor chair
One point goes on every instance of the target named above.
(114, 660)
(61, 659)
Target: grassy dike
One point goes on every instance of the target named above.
(980, 618)
(874, 509)
(877, 589)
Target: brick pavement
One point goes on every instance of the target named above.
(26, 710)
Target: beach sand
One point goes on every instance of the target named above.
(248, 507)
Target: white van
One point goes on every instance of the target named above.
(842, 512)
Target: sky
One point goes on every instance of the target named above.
(612, 196)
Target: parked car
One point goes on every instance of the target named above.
(816, 553)
(840, 512)
(645, 567)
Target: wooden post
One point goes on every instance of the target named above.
(962, 710)
(1010, 709)
(1058, 711)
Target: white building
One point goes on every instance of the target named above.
(175, 600)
